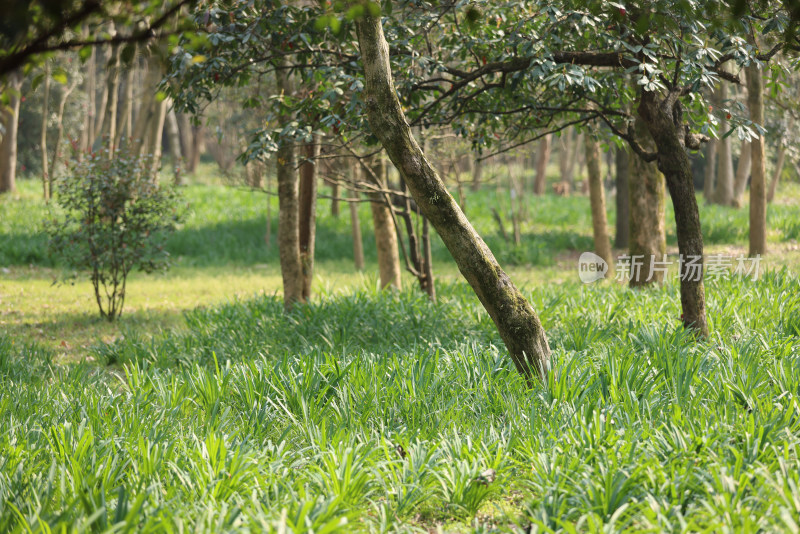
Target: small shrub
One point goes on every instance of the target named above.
(114, 217)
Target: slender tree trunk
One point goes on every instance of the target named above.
(427, 261)
(288, 227)
(9, 116)
(43, 139)
(623, 232)
(355, 224)
(308, 214)
(477, 174)
(174, 142)
(126, 125)
(385, 233)
(516, 321)
(91, 90)
(710, 170)
(542, 159)
(335, 198)
(758, 192)
(742, 173)
(723, 190)
(664, 122)
(647, 221)
(113, 100)
(105, 58)
(781, 161)
(597, 195)
(62, 103)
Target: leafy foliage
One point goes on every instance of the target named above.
(114, 217)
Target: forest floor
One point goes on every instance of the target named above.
(374, 411)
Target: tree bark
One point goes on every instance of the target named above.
(723, 190)
(308, 214)
(742, 173)
(623, 232)
(663, 121)
(758, 192)
(542, 159)
(385, 233)
(516, 321)
(647, 204)
(597, 196)
(9, 116)
(113, 99)
(288, 227)
(125, 128)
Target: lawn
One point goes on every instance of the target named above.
(208, 409)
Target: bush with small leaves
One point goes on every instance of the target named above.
(112, 217)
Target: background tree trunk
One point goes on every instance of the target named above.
(355, 224)
(742, 173)
(43, 139)
(9, 116)
(710, 170)
(781, 161)
(477, 174)
(660, 118)
(597, 196)
(723, 189)
(308, 214)
(623, 231)
(113, 99)
(758, 193)
(174, 143)
(542, 159)
(385, 233)
(62, 103)
(647, 204)
(516, 321)
(288, 228)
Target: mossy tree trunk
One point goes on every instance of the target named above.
(663, 118)
(516, 321)
(647, 215)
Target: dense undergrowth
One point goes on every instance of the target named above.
(376, 411)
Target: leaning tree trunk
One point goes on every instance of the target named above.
(597, 196)
(288, 228)
(663, 121)
(9, 117)
(758, 193)
(647, 204)
(307, 213)
(516, 321)
(542, 159)
(385, 232)
(622, 235)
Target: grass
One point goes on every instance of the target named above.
(208, 409)
(375, 412)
